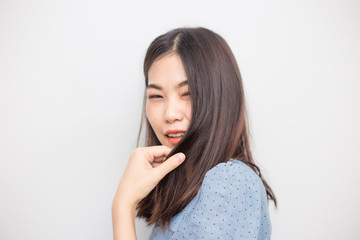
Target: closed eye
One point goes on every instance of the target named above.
(155, 96)
(186, 94)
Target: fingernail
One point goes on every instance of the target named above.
(180, 157)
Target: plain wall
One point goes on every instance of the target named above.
(71, 88)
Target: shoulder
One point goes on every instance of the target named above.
(232, 176)
(232, 166)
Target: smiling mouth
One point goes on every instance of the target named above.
(175, 136)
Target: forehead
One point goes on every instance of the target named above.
(167, 70)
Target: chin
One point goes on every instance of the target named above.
(166, 143)
(170, 145)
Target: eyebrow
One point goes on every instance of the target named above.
(183, 83)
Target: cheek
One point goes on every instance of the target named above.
(152, 115)
(188, 109)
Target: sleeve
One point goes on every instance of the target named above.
(231, 204)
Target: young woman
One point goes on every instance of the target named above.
(196, 179)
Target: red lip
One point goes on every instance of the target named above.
(174, 141)
(173, 131)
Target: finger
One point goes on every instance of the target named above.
(154, 165)
(159, 159)
(154, 153)
(170, 164)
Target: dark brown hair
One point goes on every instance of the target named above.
(218, 129)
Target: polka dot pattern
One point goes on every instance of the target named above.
(231, 204)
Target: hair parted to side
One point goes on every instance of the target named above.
(218, 129)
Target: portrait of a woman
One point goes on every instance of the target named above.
(196, 177)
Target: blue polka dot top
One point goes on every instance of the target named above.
(231, 204)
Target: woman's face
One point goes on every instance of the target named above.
(168, 105)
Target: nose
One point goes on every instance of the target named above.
(173, 111)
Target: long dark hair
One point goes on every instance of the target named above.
(218, 129)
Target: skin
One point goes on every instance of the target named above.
(168, 107)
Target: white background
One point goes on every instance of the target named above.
(71, 88)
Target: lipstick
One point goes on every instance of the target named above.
(174, 136)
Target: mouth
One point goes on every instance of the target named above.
(174, 136)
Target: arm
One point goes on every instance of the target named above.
(123, 218)
(143, 172)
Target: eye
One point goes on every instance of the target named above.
(154, 96)
(186, 94)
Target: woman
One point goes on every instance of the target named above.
(195, 110)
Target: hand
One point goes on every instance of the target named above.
(145, 168)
